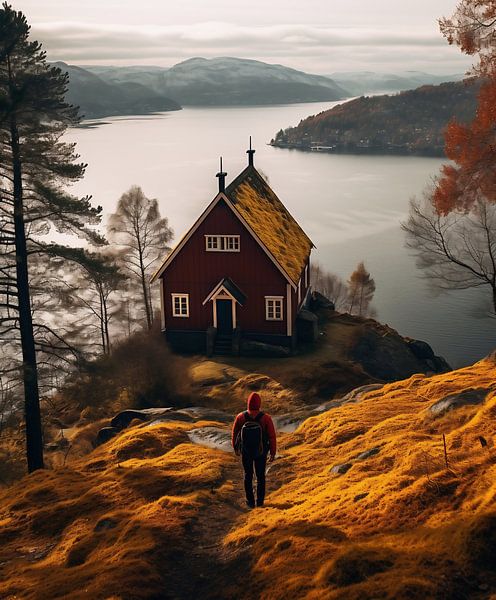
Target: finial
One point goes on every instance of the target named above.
(222, 177)
(250, 153)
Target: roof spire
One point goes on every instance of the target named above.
(250, 153)
(222, 177)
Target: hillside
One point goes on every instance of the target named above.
(97, 98)
(360, 83)
(411, 122)
(228, 81)
(361, 505)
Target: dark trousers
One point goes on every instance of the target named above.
(257, 464)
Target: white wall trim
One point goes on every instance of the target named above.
(289, 318)
(162, 305)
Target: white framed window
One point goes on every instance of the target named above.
(306, 276)
(180, 305)
(299, 292)
(273, 308)
(222, 243)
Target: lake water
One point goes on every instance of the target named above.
(350, 206)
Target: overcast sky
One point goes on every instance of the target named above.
(318, 36)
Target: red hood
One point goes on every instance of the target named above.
(254, 402)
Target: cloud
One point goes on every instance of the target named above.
(304, 46)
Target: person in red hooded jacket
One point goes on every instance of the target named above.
(255, 463)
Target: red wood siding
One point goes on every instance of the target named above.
(196, 272)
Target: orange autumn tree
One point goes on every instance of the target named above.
(452, 229)
(472, 147)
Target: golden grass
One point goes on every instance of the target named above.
(149, 515)
(111, 526)
(397, 524)
(271, 221)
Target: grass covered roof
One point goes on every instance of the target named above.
(271, 221)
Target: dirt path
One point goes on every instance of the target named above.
(207, 570)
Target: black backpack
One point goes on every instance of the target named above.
(252, 442)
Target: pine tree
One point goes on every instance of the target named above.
(35, 167)
(143, 235)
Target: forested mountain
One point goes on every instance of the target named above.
(411, 122)
(359, 83)
(228, 81)
(99, 98)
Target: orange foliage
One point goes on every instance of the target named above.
(473, 148)
(473, 28)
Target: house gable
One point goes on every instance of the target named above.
(221, 197)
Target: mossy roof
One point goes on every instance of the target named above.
(271, 221)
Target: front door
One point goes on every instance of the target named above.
(224, 316)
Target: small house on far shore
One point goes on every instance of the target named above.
(241, 274)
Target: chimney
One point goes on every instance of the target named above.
(222, 178)
(250, 153)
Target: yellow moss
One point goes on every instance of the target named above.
(271, 221)
(130, 519)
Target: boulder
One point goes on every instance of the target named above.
(122, 419)
(341, 469)
(253, 348)
(368, 453)
(470, 397)
(421, 349)
(212, 437)
(390, 357)
(318, 300)
(105, 434)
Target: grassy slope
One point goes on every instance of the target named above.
(151, 516)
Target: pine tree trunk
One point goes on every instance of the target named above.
(32, 414)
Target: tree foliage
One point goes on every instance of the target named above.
(35, 168)
(142, 234)
(411, 122)
(472, 27)
(361, 288)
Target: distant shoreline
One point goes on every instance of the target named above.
(354, 150)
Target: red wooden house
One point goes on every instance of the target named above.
(240, 273)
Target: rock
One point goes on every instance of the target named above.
(420, 349)
(359, 497)
(320, 301)
(351, 397)
(291, 422)
(122, 419)
(253, 348)
(106, 523)
(203, 413)
(470, 397)
(212, 437)
(341, 469)
(388, 356)
(105, 434)
(368, 453)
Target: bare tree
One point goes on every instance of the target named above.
(456, 251)
(361, 288)
(138, 228)
(90, 292)
(329, 285)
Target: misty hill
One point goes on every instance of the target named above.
(366, 82)
(411, 122)
(98, 98)
(228, 81)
